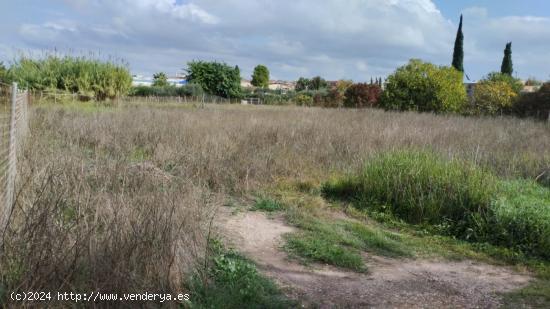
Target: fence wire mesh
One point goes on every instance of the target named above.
(13, 129)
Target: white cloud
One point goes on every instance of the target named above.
(332, 38)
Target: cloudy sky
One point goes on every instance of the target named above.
(353, 39)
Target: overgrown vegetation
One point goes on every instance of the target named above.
(91, 173)
(260, 77)
(424, 87)
(536, 105)
(362, 95)
(339, 242)
(215, 78)
(88, 77)
(232, 281)
(455, 197)
(189, 90)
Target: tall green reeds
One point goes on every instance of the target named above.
(88, 77)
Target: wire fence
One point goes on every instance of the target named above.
(13, 129)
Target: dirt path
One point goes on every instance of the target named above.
(390, 283)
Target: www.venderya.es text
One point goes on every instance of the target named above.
(97, 297)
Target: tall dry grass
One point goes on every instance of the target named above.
(120, 200)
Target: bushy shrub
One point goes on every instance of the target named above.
(215, 78)
(362, 95)
(514, 83)
(535, 105)
(303, 100)
(87, 77)
(334, 98)
(492, 97)
(424, 87)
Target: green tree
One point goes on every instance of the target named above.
(4, 78)
(215, 78)
(317, 83)
(507, 65)
(302, 84)
(458, 54)
(160, 80)
(424, 87)
(260, 77)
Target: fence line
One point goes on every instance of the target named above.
(179, 99)
(13, 129)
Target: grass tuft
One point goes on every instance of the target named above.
(266, 204)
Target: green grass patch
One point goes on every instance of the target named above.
(451, 198)
(234, 282)
(419, 187)
(320, 249)
(267, 204)
(520, 218)
(339, 242)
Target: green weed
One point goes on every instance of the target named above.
(266, 204)
(234, 282)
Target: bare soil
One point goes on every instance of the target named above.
(389, 283)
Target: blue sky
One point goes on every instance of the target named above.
(353, 39)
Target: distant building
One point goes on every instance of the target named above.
(140, 80)
(245, 83)
(282, 85)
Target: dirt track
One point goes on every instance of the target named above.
(390, 283)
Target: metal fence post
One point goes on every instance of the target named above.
(12, 166)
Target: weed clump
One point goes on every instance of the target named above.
(419, 187)
(266, 204)
(232, 281)
(451, 197)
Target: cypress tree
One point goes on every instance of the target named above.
(458, 55)
(507, 66)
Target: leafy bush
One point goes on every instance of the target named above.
(303, 100)
(334, 98)
(362, 95)
(87, 77)
(167, 91)
(535, 105)
(215, 78)
(493, 97)
(424, 87)
(514, 83)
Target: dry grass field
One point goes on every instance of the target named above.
(122, 198)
